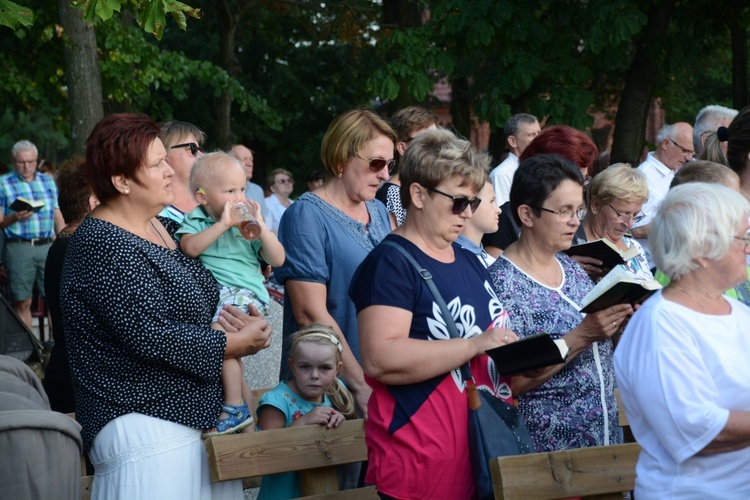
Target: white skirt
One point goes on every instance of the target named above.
(138, 457)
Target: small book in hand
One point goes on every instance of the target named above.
(529, 353)
(22, 204)
(604, 250)
(619, 286)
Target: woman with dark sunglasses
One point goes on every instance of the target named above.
(417, 431)
(572, 404)
(182, 141)
(327, 232)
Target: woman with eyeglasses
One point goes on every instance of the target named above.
(327, 232)
(418, 415)
(281, 184)
(614, 199)
(682, 362)
(715, 173)
(570, 405)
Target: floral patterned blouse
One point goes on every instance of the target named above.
(576, 407)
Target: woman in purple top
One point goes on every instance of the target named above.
(570, 405)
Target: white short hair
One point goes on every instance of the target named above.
(709, 119)
(695, 220)
(23, 145)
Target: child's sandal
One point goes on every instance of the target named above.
(238, 417)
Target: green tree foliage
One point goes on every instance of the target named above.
(538, 55)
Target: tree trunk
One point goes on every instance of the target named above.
(632, 112)
(739, 64)
(227, 30)
(82, 74)
(461, 107)
(398, 14)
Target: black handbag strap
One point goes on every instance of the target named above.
(447, 316)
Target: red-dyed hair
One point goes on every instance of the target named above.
(118, 145)
(567, 142)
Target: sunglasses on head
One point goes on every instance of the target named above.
(194, 148)
(377, 164)
(460, 203)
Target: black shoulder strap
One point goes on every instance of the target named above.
(447, 316)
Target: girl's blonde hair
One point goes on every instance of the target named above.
(341, 399)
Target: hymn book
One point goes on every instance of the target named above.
(22, 204)
(604, 250)
(619, 286)
(529, 353)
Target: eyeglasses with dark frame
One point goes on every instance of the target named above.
(635, 218)
(686, 151)
(460, 203)
(567, 214)
(194, 148)
(284, 181)
(377, 164)
(745, 240)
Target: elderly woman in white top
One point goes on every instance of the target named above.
(682, 362)
(281, 184)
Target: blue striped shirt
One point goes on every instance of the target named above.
(42, 223)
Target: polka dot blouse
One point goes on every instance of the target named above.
(137, 319)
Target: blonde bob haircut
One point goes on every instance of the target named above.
(346, 136)
(437, 155)
(694, 221)
(206, 169)
(617, 182)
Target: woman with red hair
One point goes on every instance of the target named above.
(568, 142)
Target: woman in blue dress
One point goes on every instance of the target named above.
(327, 232)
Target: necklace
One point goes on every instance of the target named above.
(151, 221)
(700, 304)
(169, 248)
(555, 283)
(359, 218)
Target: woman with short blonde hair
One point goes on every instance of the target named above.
(614, 199)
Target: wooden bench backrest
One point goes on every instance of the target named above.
(312, 450)
(597, 471)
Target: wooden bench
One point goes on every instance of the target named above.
(602, 472)
(312, 450)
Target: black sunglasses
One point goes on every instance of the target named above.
(194, 148)
(377, 164)
(461, 202)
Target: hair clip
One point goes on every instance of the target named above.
(723, 134)
(201, 191)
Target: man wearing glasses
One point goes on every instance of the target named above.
(672, 143)
(28, 232)
(183, 142)
(252, 190)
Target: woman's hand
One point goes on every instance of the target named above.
(604, 324)
(320, 415)
(232, 319)
(361, 397)
(246, 333)
(593, 267)
(494, 337)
